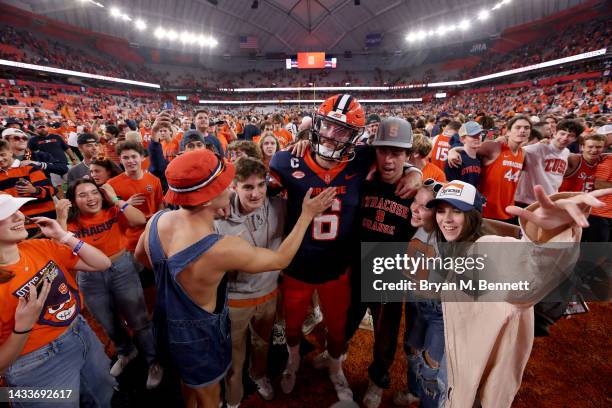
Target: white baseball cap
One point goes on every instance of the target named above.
(604, 130)
(9, 205)
(6, 133)
(459, 194)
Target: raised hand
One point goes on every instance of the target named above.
(50, 228)
(136, 200)
(109, 192)
(313, 206)
(28, 309)
(551, 215)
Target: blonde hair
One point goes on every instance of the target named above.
(421, 145)
(133, 136)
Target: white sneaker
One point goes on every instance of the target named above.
(312, 320)
(156, 373)
(321, 361)
(343, 391)
(404, 398)
(373, 396)
(230, 405)
(264, 388)
(122, 362)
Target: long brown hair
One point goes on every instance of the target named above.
(470, 232)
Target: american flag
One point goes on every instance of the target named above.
(249, 42)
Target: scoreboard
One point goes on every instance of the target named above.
(310, 60)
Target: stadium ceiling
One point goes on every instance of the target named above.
(289, 26)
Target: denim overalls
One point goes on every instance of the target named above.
(195, 341)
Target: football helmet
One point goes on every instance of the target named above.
(338, 123)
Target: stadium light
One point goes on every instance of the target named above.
(464, 24)
(125, 17)
(172, 35)
(441, 30)
(115, 12)
(299, 101)
(159, 33)
(483, 15)
(140, 25)
(68, 72)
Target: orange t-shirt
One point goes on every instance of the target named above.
(432, 171)
(102, 231)
(284, 137)
(439, 152)
(39, 257)
(170, 149)
(604, 173)
(498, 183)
(150, 186)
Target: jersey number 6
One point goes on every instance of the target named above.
(325, 226)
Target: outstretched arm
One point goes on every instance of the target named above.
(246, 258)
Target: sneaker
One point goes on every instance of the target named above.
(343, 391)
(156, 373)
(230, 405)
(278, 334)
(264, 388)
(122, 362)
(321, 361)
(312, 320)
(373, 396)
(404, 398)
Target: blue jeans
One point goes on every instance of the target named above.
(75, 361)
(114, 296)
(424, 346)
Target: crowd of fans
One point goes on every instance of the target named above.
(33, 49)
(127, 164)
(575, 39)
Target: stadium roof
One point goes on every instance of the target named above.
(289, 26)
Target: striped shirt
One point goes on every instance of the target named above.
(43, 206)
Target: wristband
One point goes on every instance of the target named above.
(21, 332)
(123, 207)
(410, 168)
(115, 199)
(66, 237)
(77, 247)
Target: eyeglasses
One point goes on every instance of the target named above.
(433, 185)
(18, 138)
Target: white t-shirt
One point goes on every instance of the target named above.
(545, 165)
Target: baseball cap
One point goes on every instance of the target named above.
(373, 118)
(9, 205)
(197, 177)
(6, 133)
(470, 128)
(394, 132)
(191, 136)
(460, 195)
(604, 130)
(13, 121)
(85, 138)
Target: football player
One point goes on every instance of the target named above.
(330, 159)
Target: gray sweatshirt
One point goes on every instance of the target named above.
(264, 228)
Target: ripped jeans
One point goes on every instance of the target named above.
(424, 347)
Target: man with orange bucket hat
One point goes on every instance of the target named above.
(191, 316)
